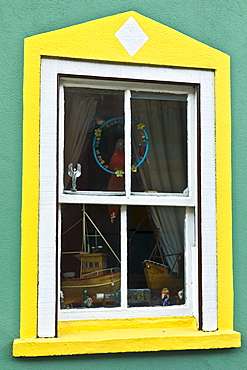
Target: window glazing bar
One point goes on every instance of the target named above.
(124, 267)
(127, 141)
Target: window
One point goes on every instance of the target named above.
(160, 107)
(97, 134)
(141, 223)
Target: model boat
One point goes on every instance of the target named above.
(95, 278)
(158, 275)
(99, 281)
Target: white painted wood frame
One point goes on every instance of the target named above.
(48, 300)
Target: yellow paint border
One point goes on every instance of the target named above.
(129, 340)
(126, 335)
(95, 40)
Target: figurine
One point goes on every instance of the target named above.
(181, 297)
(74, 173)
(88, 303)
(165, 295)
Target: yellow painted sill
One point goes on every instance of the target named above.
(128, 335)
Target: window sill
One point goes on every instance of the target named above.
(131, 335)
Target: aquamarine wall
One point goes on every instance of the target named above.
(218, 23)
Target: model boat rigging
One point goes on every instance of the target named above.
(95, 277)
(157, 273)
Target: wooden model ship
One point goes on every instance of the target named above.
(158, 275)
(94, 278)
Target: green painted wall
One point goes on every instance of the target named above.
(218, 23)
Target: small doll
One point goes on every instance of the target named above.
(165, 295)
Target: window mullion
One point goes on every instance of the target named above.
(127, 140)
(124, 267)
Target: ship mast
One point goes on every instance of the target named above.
(84, 240)
(85, 248)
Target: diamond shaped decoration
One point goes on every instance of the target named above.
(131, 36)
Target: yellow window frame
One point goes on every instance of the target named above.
(96, 41)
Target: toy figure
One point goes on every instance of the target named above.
(181, 297)
(165, 295)
(74, 173)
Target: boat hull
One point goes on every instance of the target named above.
(158, 277)
(75, 290)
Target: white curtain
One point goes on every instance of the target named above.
(79, 113)
(165, 169)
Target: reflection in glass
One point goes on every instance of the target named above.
(164, 118)
(90, 264)
(93, 137)
(155, 256)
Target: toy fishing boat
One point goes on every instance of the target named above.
(158, 275)
(94, 278)
(100, 281)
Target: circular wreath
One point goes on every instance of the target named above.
(96, 144)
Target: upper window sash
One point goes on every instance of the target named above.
(188, 93)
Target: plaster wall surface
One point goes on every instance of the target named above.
(218, 23)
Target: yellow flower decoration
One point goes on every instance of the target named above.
(97, 132)
(140, 126)
(119, 173)
(133, 168)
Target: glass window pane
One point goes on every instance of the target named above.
(94, 134)
(156, 256)
(159, 143)
(90, 262)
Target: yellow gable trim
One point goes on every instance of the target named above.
(96, 40)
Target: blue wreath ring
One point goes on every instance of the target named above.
(97, 137)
